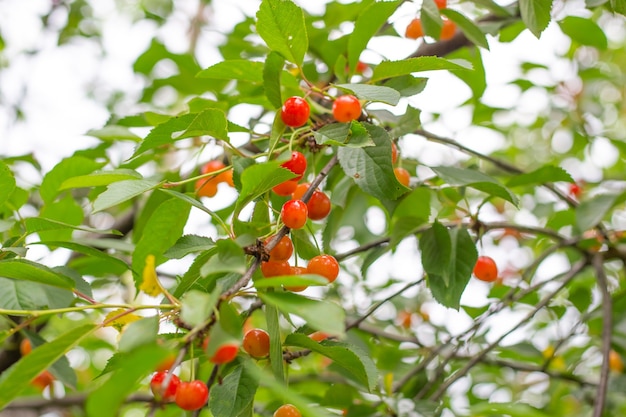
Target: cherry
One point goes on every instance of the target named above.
(296, 164)
(285, 188)
(156, 386)
(361, 67)
(25, 347)
(319, 335)
(42, 380)
(295, 111)
(227, 177)
(318, 205)
(275, 268)
(414, 29)
(441, 4)
(283, 249)
(256, 343)
(167, 363)
(206, 187)
(297, 270)
(324, 265)
(402, 175)
(575, 190)
(394, 153)
(294, 214)
(192, 395)
(300, 190)
(287, 410)
(346, 108)
(212, 166)
(225, 354)
(447, 30)
(616, 364)
(486, 269)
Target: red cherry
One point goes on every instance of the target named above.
(324, 265)
(346, 108)
(212, 166)
(486, 269)
(448, 29)
(414, 29)
(394, 153)
(298, 193)
(192, 395)
(167, 363)
(575, 190)
(25, 347)
(283, 249)
(361, 67)
(43, 380)
(297, 164)
(287, 410)
(297, 270)
(225, 354)
(294, 214)
(285, 188)
(319, 336)
(256, 343)
(402, 175)
(318, 205)
(275, 268)
(206, 187)
(227, 177)
(441, 4)
(295, 111)
(156, 385)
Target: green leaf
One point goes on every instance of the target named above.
(545, 174)
(475, 179)
(348, 356)
(281, 25)
(73, 166)
(139, 333)
(389, 69)
(86, 250)
(7, 182)
(28, 295)
(448, 257)
(121, 191)
(536, 14)
(375, 93)
(431, 19)
(371, 167)
(228, 257)
(618, 6)
(367, 24)
(413, 211)
(510, 409)
(100, 178)
(591, 212)
(16, 379)
(407, 85)
(584, 31)
(234, 394)
(290, 281)
(272, 71)
(276, 345)
(235, 69)
(409, 122)
(319, 314)
(64, 209)
(31, 271)
(258, 179)
(112, 133)
(39, 224)
(352, 134)
(197, 306)
(469, 28)
(188, 244)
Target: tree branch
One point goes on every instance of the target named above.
(607, 328)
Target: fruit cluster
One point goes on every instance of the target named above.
(207, 186)
(415, 30)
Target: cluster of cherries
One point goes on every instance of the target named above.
(414, 30)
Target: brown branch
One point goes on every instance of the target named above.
(607, 328)
(68, 401)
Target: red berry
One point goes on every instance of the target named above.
(283, 249)
(225, 354)
(318, 205)
(297, 164)
(295, 111)
(42, 380)
(297, 270)
(227, 177)
(300, 190)
(402, 175)
(212, 166)
(156, 385)
(256, 343)
(192, 395)
(167, 363)
(285, 188)
(25, 347)
(394, 153)
(324, 265)
(575, 190)
(287, 410)
(414, 29)
(294, 214)
(361, 67)
(448, 29)
(206, 187)
(275, 268)
(346, 108)
(486, 269)
(319, 336)
(441, 4)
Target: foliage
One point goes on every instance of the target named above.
(170, 268)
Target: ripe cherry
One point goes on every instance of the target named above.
(447, 30)
(575, 190)
(256, 343)
(43, 380)
(486, 269)
(227, 177)
(319, 335)
(295, 111)
(25, 347)
(192, 395)
(206, 187)
(402, 175)
(225, 354)
(297, 270)
(300, 190)
(287, 410)
(296, 164)
(212, 166)
(283, 249)
(441, 4)
(318, 205)
(361, 67)
(285, 188)
(616, 364)
(414, 29)
(394, 153)
(294, 214)
(346, 108)
(156, 386)
(324, 265)
(167, 363)
(275, 268)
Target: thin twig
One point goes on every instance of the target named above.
(607, 328)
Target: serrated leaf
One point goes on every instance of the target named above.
(113, 133)
(390, 69)
(188, 244)
(319, 314)
(17, 378)
(409, 122)
(73, 166)
(121, 191)
(545, 174)
(469, 28)
(197, 306)
(281, 25)
(258, 179)
(375, 93)
(228, 257)
(352, 134)
(24, 269)
(235, 69)
(101, 178)
(39, 224)
(290, 281)
(86, 250)
(272, 71)
(7, 182)
(535, 14)
(475, 179)
(139, 333)
(371, 167)
(28, 295)
(584, 31)
(348, 356)
(234, 394)
(591, 212)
